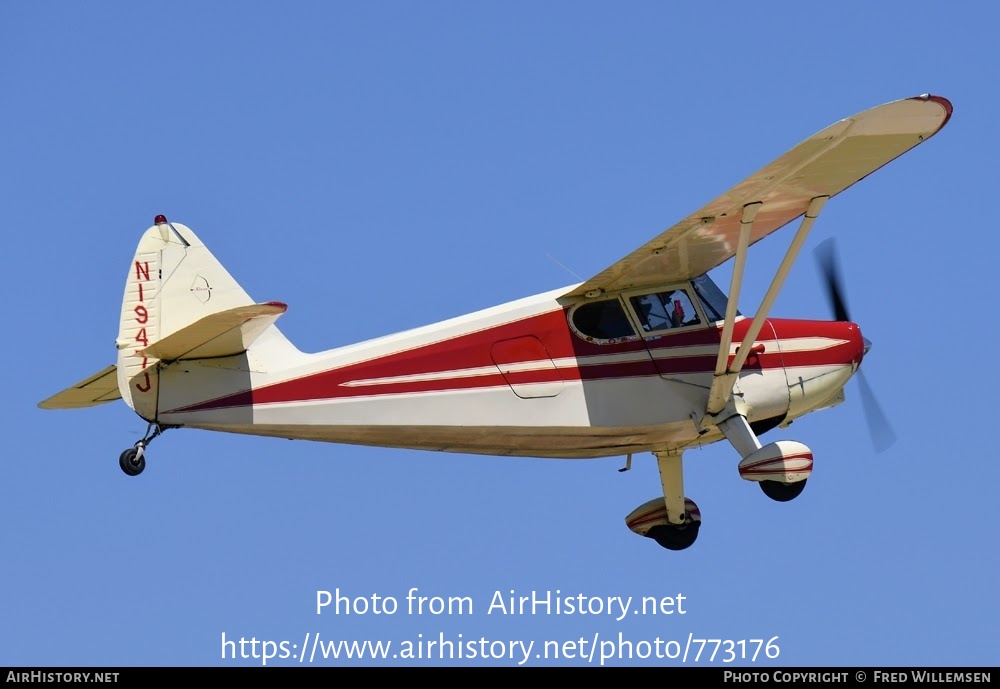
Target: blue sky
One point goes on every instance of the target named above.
(344, 156)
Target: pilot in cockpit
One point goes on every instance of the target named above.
(663, 311)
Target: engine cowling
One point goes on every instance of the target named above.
(784, 461)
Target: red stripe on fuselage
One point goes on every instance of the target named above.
(472, 351)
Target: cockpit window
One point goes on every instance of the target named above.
(602, 320)
(712, 298)
(665, 310)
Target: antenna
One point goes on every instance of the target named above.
(556, 261)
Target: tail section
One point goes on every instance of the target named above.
(176, 297)
(179, 304)
(226, 333)
(93, 390)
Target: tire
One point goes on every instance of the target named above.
(675, 537)
(127, 462)
(782, 492)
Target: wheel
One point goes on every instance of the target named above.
(782, 492)
(131, 463)
(674, 537)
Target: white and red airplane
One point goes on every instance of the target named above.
(648, 355)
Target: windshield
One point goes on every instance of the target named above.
(711, 297)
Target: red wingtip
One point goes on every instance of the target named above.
(160, 220)
(943, 102)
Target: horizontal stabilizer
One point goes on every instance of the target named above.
(97, 389)
(225, 333)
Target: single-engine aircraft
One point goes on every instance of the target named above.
(648, 355)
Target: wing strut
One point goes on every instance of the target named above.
(746, 225)
(722, 382)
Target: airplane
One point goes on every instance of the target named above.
(649, 355)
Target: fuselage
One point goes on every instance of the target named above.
(518, 379)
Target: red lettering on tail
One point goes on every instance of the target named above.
(148, 384)
(141, 315)
(142, 271)
(142, 337)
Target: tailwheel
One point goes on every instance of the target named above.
(132, 461)
(782, 492)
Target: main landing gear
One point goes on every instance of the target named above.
(781, 468)
(675, 536)
(133, 460)
(782, 492)
(673, 521)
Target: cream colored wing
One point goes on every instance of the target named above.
(823, 165)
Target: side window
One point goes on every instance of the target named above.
(602, 320)
(665, 310)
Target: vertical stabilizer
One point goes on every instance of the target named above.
(173, 281)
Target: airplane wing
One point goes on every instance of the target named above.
(823, 165)
(97, 389)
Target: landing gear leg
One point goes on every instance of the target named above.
(683, 518)
(737, 429)
(133, 460)
(781, 467)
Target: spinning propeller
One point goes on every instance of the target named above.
(879, 427)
